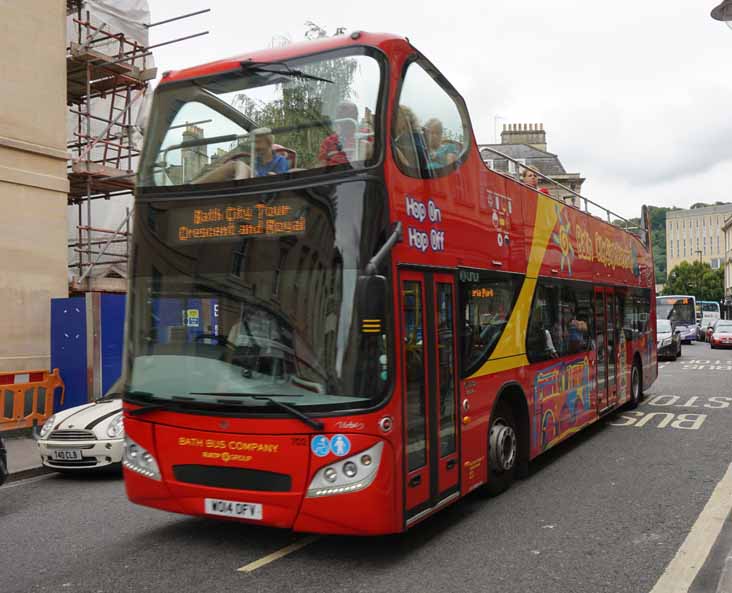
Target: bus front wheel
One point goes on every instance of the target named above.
(503, 449)
(636, 387)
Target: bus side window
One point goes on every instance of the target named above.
(430, 132)
(543, 339)
(487, 305)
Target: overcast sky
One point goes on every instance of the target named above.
(635, 95)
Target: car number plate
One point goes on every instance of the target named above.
(66, 454)
(233, 508)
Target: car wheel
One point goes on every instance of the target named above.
(503, 450)
(636, 389)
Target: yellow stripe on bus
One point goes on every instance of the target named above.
(510, 350)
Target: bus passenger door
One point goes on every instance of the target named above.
(430, 389)
(600, 349)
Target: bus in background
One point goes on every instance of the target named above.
(680, 310)
(710, 312)
(382, 323)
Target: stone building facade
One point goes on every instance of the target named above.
(696, 234)
(526, 143)
(33, 181)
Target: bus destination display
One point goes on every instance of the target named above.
(233, 222)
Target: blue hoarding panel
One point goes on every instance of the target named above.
(68, 348)
(113, 321)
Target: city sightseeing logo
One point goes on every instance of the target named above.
(563, 239)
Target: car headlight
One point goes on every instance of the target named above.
(348, 475)
(116, 429)
(138, 459)
(47, 426)
(666, 342)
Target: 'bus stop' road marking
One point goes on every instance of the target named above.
(281, 553)
(682, 569)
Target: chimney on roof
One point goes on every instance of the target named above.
(531, 134)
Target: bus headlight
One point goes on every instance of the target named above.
(349, 475)
(139, 460)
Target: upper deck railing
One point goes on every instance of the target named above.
(588, 205)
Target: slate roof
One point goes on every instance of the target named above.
(547, 163)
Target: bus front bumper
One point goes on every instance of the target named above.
(310, 505)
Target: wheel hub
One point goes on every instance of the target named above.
(503, 446)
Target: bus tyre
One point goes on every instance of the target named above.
(636, 390)
(502, 449)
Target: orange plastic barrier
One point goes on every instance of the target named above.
(26, 397)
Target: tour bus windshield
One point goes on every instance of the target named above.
(239, 299)
(676, 309)
(266, 118)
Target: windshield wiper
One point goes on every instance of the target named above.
(288, 71)
(145, 396)
(316, 424)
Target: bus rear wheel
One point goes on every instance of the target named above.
(503, 450)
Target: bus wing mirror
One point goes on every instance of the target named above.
(371, 294)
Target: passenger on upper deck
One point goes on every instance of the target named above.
(234, 165)
(267, 162)
(529, 177)
(439, 153)
(341, 146)
(409, 145)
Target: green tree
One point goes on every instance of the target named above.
(698, 279)
(304, 101)
(657, 214)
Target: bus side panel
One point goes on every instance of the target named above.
(564, 399)
(480, 393)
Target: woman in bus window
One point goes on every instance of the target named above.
(409, 144)
(439, 153)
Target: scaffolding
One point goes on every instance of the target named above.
(108, 74)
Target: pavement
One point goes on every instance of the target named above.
(23, 456)
(634, 504)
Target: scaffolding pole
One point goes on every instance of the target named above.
(102, 163)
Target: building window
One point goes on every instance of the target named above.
(684, 247)
(677, 248)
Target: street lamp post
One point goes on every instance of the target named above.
(723, 12)
(699, 276)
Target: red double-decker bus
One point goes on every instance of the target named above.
(340, 320)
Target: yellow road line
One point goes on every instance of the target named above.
(281, 553)
(682, 570)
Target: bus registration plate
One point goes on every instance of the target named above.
(233, 508)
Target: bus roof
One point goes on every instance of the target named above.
(278, 54)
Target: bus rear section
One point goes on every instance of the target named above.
(710, 312)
